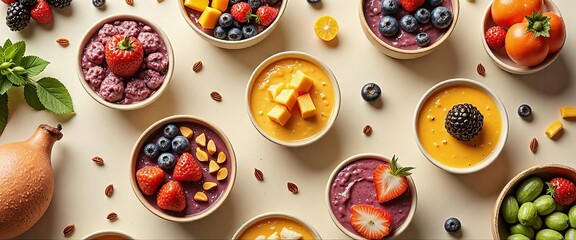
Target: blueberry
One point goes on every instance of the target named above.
(452, 225)
(232, 2)
(151, 150)
(163, 144)
(313, 1)
(524, 111)
(422, 15)
(390, 7)
(166, 160)
(388, 26)
(180, 144)
(408, 23)
(237, 24)
(220, 32)
(225, 20)
(441, 17)
(434, 3)
(254, 4)
(170, 131)
(371, 92)
(271, 2)
(98, 3)
(423, 39)
(234, 34)
(249, 31)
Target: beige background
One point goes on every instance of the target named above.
(97, 130)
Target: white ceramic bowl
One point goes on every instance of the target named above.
(190, 18)
(399, 53)
(319, 64)
(145, 138)
(500, 57)
(268, 215)
(107, 235)
(413, 204)
(503, 131)
(136, 105)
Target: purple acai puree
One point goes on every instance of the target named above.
(129, 90)
(354, 184)
(190, 188)
(403, 40)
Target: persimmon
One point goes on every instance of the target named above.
(508, 12)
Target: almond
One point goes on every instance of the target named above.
(130, 2)
(112, 216)
(211, 147)
(209, 185)
(197, 66)
(222, 174)
(258, 174)
(109, 190)
(221, 157)
(98, 160)
(481, 70)
(216, 96)
(201, 155)
(213, 166)
(63, 42)
(200, 197)
(201, 140)
(534, 145)
(367, 130)
(69, 230)
(292, 187)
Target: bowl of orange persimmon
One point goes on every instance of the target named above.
(523, 36)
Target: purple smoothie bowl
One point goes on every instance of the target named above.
(194, 210)
(129, 93)
(351, 183)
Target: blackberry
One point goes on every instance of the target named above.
(59, 3)
(28, 3)
(18, 16)
(464, 121)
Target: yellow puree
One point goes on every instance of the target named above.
(268, 226)
(447, 149)
(322, 94)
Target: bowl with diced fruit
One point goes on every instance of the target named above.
(408, 29)
(182, 168)
(293, 98)
(233, 24)
(276, 225)
(523, 36)
(538, 202)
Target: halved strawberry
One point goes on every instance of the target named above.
(187, 168)
(149, 178)
(371, 222)
(171, 197)
(390, 180)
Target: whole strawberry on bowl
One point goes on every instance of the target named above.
(371, 196)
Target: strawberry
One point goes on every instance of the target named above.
(124, 55)
(242, 12)
(562, 190)
(8, 2)
(171, 197)
(266, 15)
(371, 222)
(390, 181)
(495, 37)
(411, 5)
(149, 178)
(187, 168)
(41, 12)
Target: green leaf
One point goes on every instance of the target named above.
(33, 65)
(16, 79)
(3, 112)
(5, 85)
(54, 95)
(32, 98)
(7, 44)
(15, 52)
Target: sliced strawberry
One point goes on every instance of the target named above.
(187, 168)
(266, 15)
(171, 197)
(41, 12)
(411, 5)
(562, 190)
(371, 222)
(149, 178)
(390, 181)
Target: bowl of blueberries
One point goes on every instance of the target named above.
(233, 24)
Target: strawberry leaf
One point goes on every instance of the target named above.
(3, 112)
(5, 85)
(33, 65)
(54, 95)
(16, 79)
(32, 98)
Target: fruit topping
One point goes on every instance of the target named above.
(124, 55)
(221, 158)
(8, 2)
(495, 37)
(326, 28)
(249, 31)
(265, 15)
(390, 7)
(408, 23)
(524, 111)
(201, 155)
(568, 112)
(254, 4)
(209, 185)
(306, 106)
(18, 16)
(225, 20)
(434, 3)
(452, 225)
(222, 174)
(201, 140)
(464, 122)
(441, 17)
(151, 150)
(388, 26)
(422, 39)
(390, 180)
(170, 131)
(234, 34)
(186, 132)
(213, 166)
(163, 144)
(41, 12)
(553, 129)
(180, 144)
(289, 234)
(370, 221)
(209, 18)
(422, 15)
(166, 160)
(241, 12)
(371, 92)
(171, 197)
(211, 147)
(187, 169)
(59, 3)
(562, 190)
(149, 178)
(98, 3)
(198, 5)
(411, 5)
(221, 5)
(200, 197)
(279, 114)
(220, 32)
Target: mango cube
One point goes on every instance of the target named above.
(275, 89)
(221, 5)
(306, 106)
(209, 18)
(553, 129)
(286, 97)
(279, 114)
(198, 5)
(568, 112)
(301, 82)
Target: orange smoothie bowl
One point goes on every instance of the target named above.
(276, 224)
(293, 98)
(443, 148)
(108, 235)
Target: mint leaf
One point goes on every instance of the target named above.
(3, 112)
(7, 44)
(5, 85)
(54, 95)
(15, 52)
(16, 79)
(2, 55)
(32, 98)
(33, 65)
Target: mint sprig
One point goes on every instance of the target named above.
(16, 70)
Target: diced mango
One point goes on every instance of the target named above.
(221, 5)
(286, 97)
(306, 106)
(301, 82)
(209, 18)
(198, 5)
(279, 114)
(553, 129)
(568, 112)
(275, 89)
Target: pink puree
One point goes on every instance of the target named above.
(354, 185)
(403, 40)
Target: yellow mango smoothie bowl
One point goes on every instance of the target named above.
(461, 126)
(293, 98)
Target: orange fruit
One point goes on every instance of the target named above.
(326, 28)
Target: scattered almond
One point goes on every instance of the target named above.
(200, 197)
(211, 147)
(258, 174)
(367, 130)
(201, 140)
(221, 157)
(63, 42)
(216, 96)
(209, 185)
(159, 1)
(130, 2)
(109, 190)
(292, 187)
(197, 66)
(201, 155)
(112, 216)
(69, 230)
(213, 166)
(533, 145)
(481, 70)
(222, 174)
(186, 132)
(98, 160)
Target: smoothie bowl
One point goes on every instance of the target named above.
(461, 125)
(408, 32)
(182, 168)
(276, 225)
(125, 62)
(361, 191)
(293, 98)
(233, 24)
(108, 235)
